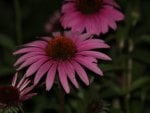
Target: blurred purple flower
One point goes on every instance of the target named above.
(92, 16)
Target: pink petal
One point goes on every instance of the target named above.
(90, 59)
(109, 19)
(76, 22)
(91, 25)
(42, 70)
(35, 66)
(51, 76)
(81, 72)
(68, 18)
(103, 23)
(97, 41)
(26, 56)
(114, 14)
(40, 44)
(69, 70)
(29, 49)
(28, 96)
(30, 61)
(92, 45)
(26, 82)
(63, 78)
(46, 38)
(91, 66)
(69, 7)
(21, 82)
(84, 36)
(95, 54)
(14, 79)
(27, 90)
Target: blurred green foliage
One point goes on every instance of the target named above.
(125, 86)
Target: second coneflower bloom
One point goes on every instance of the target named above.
(16, 93)
(63, 54)
(91, 16)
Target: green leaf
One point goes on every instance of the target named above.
(139, 83)
(143, 39)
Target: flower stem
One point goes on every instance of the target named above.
(129, 75)
(18, 21)
(61, 99)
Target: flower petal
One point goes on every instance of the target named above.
(88, 64)
(30, 61)
(95, 54)
(42, 70)
(51, 76)
(80, 71)
(26, 56)
(14, 79)
(69, 70)
(28, 49)
(63, 78)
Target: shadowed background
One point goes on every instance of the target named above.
(125, 86)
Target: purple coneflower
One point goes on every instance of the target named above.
(63, 54)
(16, 93)
(92, 16)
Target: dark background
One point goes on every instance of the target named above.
(125, 86)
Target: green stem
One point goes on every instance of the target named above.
(61, 96)
(129, 76)
(18, 21)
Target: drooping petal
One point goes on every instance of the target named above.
(63, 78)
(21, 82)
(28, 96)
(30, 61)
(35, 66)
(90, 65)
(94, 44)
(26, 82)
(39, 44)
(69, 70)
(27, 56)
(27, 90)
(80, 71)
(95, 54)
(14, 79)
(28, 49)
(51, 76)
(42, 70)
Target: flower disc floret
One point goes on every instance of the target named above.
(61, 48)
(88, 6)
(8, 94)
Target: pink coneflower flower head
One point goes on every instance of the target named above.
(16, 93)
(53, 24)
(64, 55)
(91, 16)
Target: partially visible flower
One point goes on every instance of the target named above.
(53, 23)
(16, 93)
(66, 54)
(92, 16)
